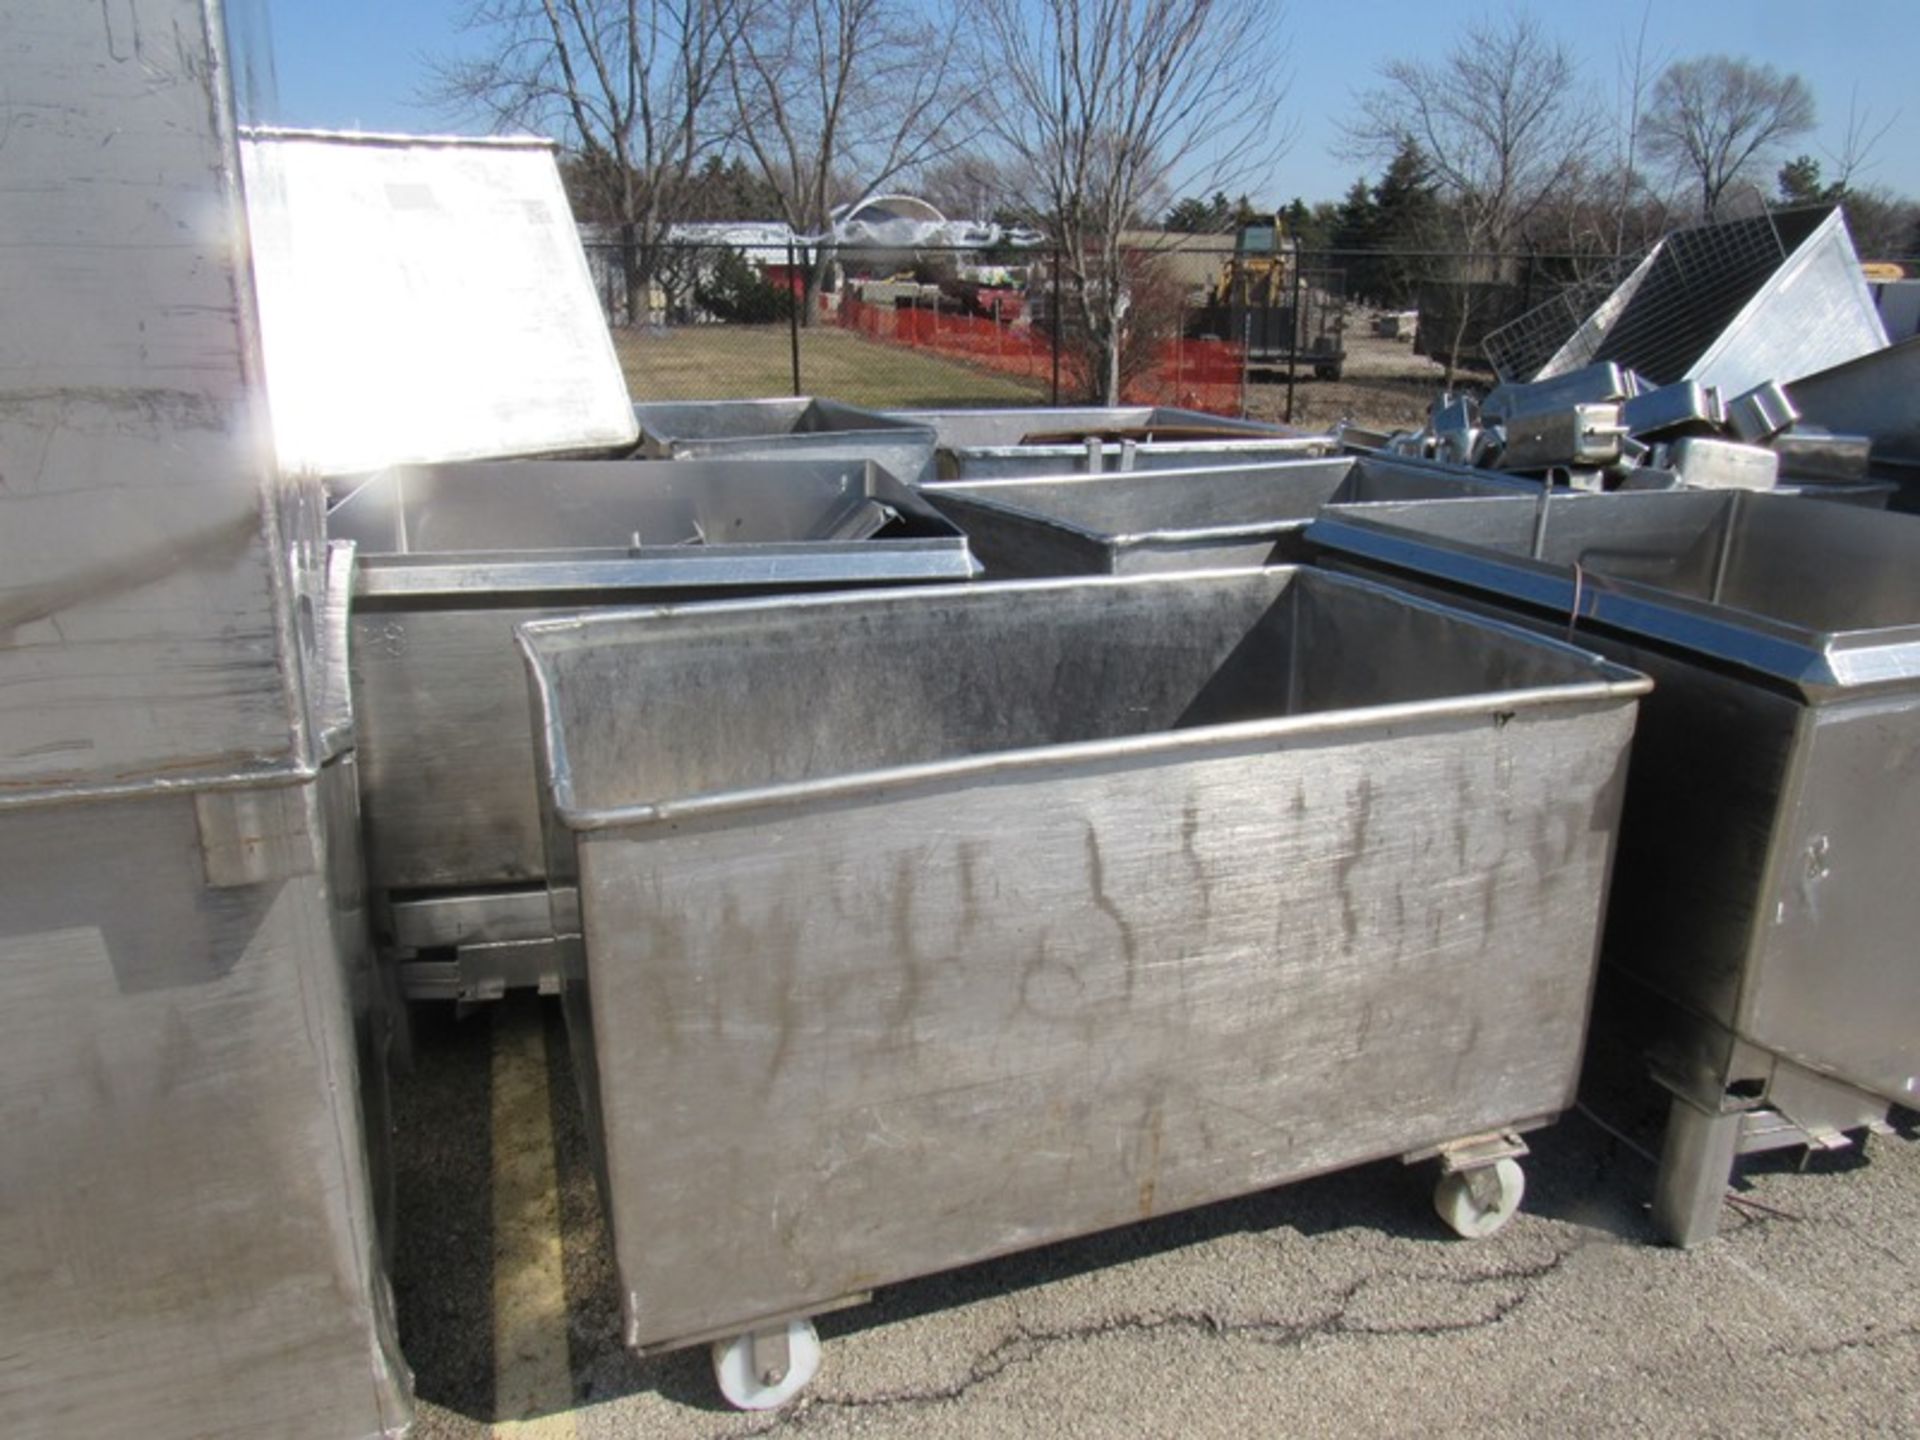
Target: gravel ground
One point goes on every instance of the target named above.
(1338, 1306)
(1383, 386)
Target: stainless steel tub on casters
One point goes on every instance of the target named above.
(916, 929)
(1147, 520)
(1762, 928)
(454, 556)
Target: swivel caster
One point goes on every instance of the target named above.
(764, 1369)
(1478, 1202)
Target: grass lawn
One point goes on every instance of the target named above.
(721, 362)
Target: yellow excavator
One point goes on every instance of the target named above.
(1256, 302)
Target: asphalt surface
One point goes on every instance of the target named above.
(1339, 1306)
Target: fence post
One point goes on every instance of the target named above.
(1054, 319)
(794, 294)
(1180, 356)
(1240, 290)
(1293, 340)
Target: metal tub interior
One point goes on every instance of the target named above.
(785, 427)
(1763, 890)
(968, 463)
(914, 933)
(1140, 521)
(1012, 425)
(453, 557)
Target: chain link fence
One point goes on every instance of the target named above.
(1308, 337)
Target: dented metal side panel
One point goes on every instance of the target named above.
(1763, 885)
(841, 1048)
(425, 299)
(144, 620)
(1833, 983)
(191, 1026)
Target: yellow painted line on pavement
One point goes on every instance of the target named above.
(533, 1379)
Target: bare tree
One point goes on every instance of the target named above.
(628, 85)
(1855, 155)
(1508, 131)
(1099, 105)
(839, 98)
(967, 187)
(1716, 119)
(1631, 78)
(1503, 120)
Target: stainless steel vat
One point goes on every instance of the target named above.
(453, 557)
(797, 428)
(1116, 524)
(189, 1213)
(912, 929)
(1763, 914)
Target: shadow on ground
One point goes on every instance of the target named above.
(1579, 1173)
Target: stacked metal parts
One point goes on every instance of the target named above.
(1680, 376)
(1605, 428)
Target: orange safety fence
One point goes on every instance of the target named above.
(1196, 374)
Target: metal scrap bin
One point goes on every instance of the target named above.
(916, 929)
(784, 428)
(454, 556)
(1761, 928)
(1117, 524)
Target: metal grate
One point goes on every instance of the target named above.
(1662, 318)
(1519, 349)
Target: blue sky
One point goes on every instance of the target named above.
(362, 63)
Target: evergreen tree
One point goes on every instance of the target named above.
(1195, 216)
(1406, 218)
(1356, 225)
(1799, 181)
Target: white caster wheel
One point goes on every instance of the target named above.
(764, 1369)
(1477, 1202)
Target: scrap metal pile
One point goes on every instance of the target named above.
(1606, 428)
(1689, 373)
